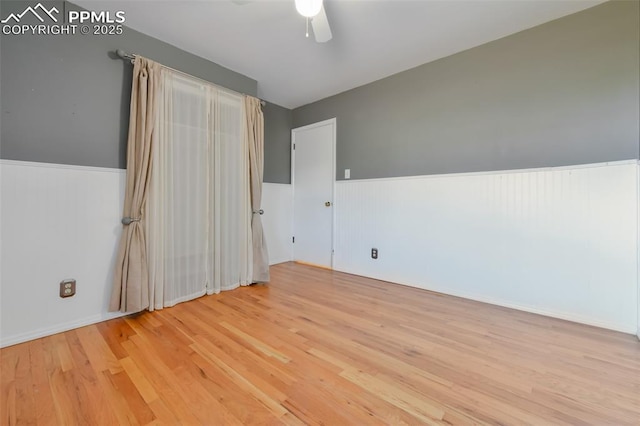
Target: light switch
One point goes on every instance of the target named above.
(347, 173)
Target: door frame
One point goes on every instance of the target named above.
(333, 121)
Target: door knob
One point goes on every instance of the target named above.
(327, 204)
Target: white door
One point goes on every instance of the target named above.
(313, 175)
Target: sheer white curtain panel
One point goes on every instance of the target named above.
(198, 218)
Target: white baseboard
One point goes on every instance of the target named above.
(58, 328)
(567, 316)
(278, 261)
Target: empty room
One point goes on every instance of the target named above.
(338, 212)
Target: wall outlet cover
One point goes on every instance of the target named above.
(67, 288)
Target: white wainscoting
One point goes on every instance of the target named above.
(57, 222)
(277, 202)
(559, 241)
(60, 221)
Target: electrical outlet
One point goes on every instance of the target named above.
(374, 253)
(67, 288)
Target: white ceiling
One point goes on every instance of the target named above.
(265, 39)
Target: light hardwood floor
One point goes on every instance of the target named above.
(320, 347)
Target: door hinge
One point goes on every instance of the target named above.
(294, 239)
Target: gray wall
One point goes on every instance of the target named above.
(562, 93)
(277, 143)
(66, 100)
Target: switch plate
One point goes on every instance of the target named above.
(67, 288)
(347, 173)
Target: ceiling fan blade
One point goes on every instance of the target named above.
(321, 28)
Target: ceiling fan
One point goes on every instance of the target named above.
(313, 11)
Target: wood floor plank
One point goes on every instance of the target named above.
(164, 415)
(265, 349)
(210, 353)
(205, 406)
(418, 406)
(128, 406)
(92, 404)
(9, 358)
(41, 357)
(161, 377)
(65, 396)
(145, 389)
(242, 405)
(63, 352)
(114, 333)
(24, 396)
(321, 347)
(256, 363)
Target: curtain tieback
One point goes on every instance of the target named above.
(260, 212)
(129, 220)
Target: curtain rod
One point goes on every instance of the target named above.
(131, 57)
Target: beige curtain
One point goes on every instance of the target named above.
(131, 281)
(255, 136)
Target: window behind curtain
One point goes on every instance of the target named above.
(199, 212)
